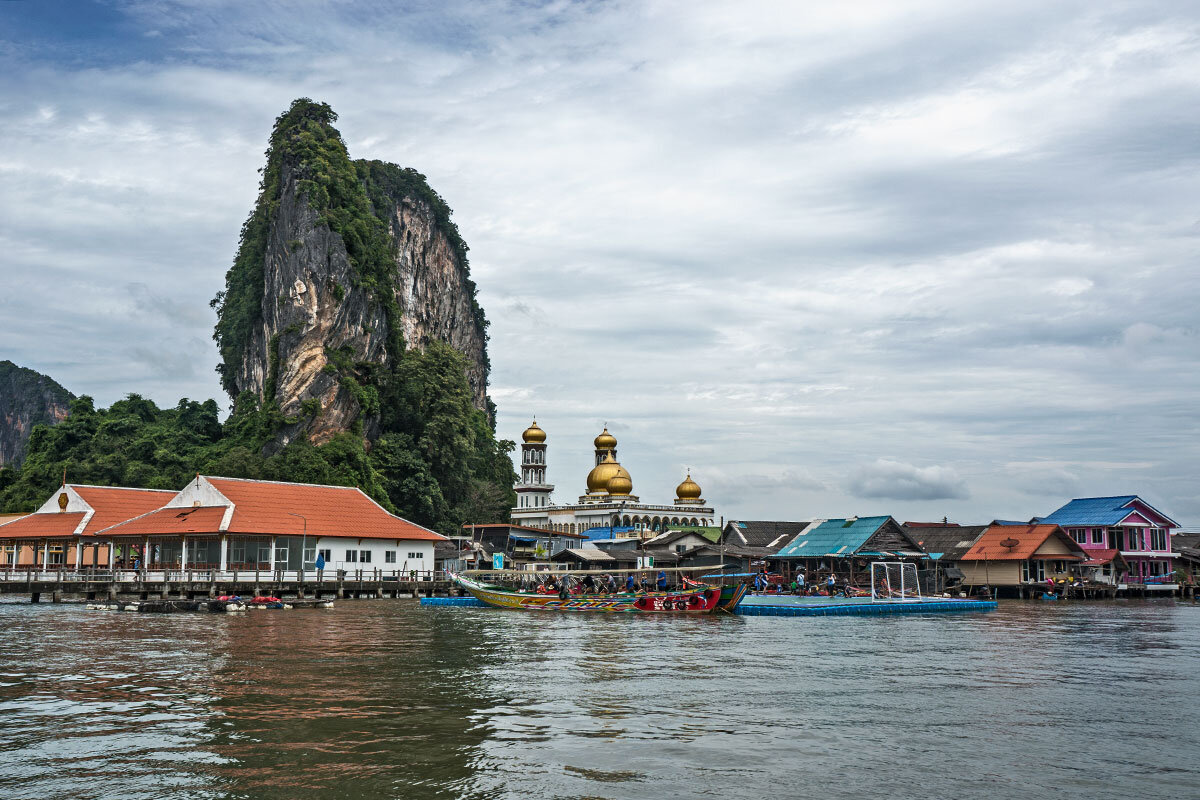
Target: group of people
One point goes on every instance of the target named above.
(604, 584)
(829, 586)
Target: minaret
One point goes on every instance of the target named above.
(532, 490)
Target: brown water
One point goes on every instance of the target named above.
(386, 699)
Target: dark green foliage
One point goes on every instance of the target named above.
(133, 443)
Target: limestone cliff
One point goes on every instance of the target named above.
(343, 265)
(27, 398)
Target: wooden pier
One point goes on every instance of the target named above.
(111, 586)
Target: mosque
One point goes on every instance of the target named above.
(609, 502)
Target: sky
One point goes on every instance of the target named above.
(927, 259)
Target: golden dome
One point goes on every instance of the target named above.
(533, 434)
(601, 474)
(689, 489)
(605, 441)
(620, 483)
(620, 486)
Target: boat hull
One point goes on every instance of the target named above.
(692, 601)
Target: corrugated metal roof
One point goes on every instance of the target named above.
(1098, 510)
(994, 544)
(1092, 511)
(833, 537)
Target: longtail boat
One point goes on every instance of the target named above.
(701, 599)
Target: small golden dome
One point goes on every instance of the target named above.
(533, 434)
(605, 441)
(601, 474)
(620, 483)
(689, 489)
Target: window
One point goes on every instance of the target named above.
(364, 556)
(351, 556)
(1097, 535)
(1079, 535)
(389, 557)
(1158, 539)
(327, 555)
(1133, 539)
(1033, 571)
(416, 556)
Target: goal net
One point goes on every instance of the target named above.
(894, 580)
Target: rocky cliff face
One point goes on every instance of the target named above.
(433, 290)
(27, 398)
(342, 265)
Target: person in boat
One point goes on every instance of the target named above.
(662, 581)
(589, 583)
(630, 583)
(563, 591)
(610, 584)
(831, 584)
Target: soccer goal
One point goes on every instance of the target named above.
(894, 580)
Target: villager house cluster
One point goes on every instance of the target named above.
(224, 524)
(1091, 546)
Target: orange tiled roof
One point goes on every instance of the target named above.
(1028, 539)
(116, 504)
(171, 521)
(42, 525)
(262, 508)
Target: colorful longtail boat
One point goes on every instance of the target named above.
(693, 600)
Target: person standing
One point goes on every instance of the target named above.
(662, 580)
(630, 583)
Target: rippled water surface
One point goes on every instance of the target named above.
(388, 699)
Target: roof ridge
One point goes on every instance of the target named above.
(119, 488)
(284, 483)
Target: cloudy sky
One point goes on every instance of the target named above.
(925, 259)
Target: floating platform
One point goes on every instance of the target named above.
(797, 606)
(469, 602)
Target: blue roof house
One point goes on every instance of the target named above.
(1124, 524)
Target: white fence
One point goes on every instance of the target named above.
(331, 576)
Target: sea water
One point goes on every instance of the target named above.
(386, 699)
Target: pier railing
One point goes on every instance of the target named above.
(289, 576)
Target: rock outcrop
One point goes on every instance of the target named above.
(27, 398)
(353, 261)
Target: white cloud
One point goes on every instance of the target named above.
(895, 480)
(763, 243)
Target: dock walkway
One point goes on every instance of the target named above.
(104, 585)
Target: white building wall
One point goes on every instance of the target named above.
(378, 549)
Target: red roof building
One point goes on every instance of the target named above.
(1021, 555)
(217, 523)
(62, 532)
(225, 523)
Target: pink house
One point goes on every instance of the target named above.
(1128, 526)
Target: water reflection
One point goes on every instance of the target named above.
(391, 700)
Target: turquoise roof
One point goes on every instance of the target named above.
(833, 537)
(1097, 510)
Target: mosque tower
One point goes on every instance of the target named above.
(533, 491)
